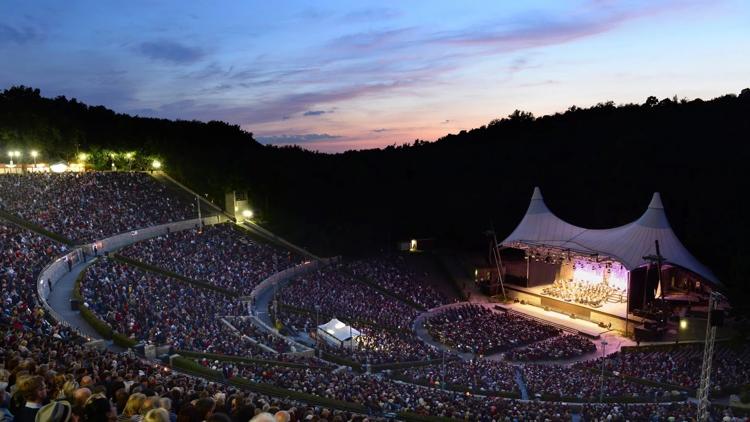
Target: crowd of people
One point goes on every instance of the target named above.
(472, 328)
(54, 375)
(381, 395)
(90, 206)
(392, 274)
(559, 381)
(680, 365)
(482, 376)
(378, 346)
(154, 308)
(47, 368)
(220, 254)
(564, 346)
(334, 293)
(23, 255)
(246, 328)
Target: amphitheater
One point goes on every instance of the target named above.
(127, 283)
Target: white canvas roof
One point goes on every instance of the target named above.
(627, 244)
(339, 330)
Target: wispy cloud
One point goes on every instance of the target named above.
(17, 35)
(315, 112)
(535, 29)
(296, 139)
(170, 51)
(381, 130)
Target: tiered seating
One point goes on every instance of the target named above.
(156, 308)
(337, 294)
(394, 275)
(479, 375)
(32, 346)
(89, 206)
(560, 381)
(246, 327)
(378, 346)
(151, 307)
(681, 365)
(563, 347)
(221, 254)
(23, 255)
(476, 329)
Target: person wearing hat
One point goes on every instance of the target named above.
(57, 411)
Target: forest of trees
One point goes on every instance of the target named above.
(597, 167)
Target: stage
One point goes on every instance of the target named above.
(616, 309)
(609, 313)
(580, 326)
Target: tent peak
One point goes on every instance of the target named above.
(656, 202)
(654, 216)
(537, 193)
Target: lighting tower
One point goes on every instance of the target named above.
(708, 355)
(495, 255)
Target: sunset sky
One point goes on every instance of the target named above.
(333, 76)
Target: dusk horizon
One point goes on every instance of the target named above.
(338, 77)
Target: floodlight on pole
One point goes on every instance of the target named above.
(34, 153)
(156, 164)
(82, 157)
(129, 156)
(12, 154)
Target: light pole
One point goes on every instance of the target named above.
(12, 154)
(601, 390)
(34, 154)
(129, 157)
(200, 218)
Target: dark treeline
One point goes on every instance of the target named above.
(597, 167)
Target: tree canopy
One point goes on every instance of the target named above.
(597, 167)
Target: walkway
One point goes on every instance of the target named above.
(521, 383)
(424, 335)
(262, 305)
(59, 300)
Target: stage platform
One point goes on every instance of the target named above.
(616, 309)
(612, 315)
(586, 328)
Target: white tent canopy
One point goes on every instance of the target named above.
(627, 244)
(337, 332)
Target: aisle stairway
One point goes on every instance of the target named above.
(521, 383)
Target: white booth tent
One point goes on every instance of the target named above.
(338, 334)
(626, 244)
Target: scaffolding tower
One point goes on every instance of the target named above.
(708, 355)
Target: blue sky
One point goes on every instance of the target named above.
(333, 76)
